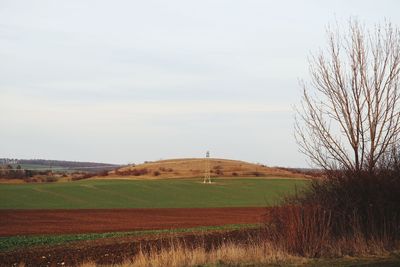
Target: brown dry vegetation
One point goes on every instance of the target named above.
(347, 214)
(259, 250)
(231, 254)
(251, 247)
(142, 248)
(194, 167)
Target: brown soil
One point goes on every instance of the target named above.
(29, 222)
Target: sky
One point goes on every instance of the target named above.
(133, 81)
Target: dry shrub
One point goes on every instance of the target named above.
(254, 173)
(102, 173)
(302, 230)
(367, 204)
(134, 172)
(347, 214)
(50, 179)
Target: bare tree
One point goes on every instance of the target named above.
(349, 115)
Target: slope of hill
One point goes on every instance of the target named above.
(194, 167)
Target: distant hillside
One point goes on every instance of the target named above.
(62, 165)
(194, 167)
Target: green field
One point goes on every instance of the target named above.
(172, 193)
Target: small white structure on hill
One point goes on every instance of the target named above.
(207, 169)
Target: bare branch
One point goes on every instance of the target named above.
(352, 117)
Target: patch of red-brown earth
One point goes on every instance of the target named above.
(30, 222)
(117, 250)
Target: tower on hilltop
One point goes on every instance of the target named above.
(207, 168)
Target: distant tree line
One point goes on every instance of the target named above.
(72, 165)
(61, 163)
(10, 172)
(17, 172)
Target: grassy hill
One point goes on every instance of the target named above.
(194, 167)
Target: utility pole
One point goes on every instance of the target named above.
(207, 171)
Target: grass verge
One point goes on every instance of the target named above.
(252, 254)
(228, 254)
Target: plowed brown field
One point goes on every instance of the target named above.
(29, 222)
(117, 250)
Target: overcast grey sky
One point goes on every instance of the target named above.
(129, 81)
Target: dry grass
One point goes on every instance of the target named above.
(11, 181)
(179, 254)
(194, 167)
